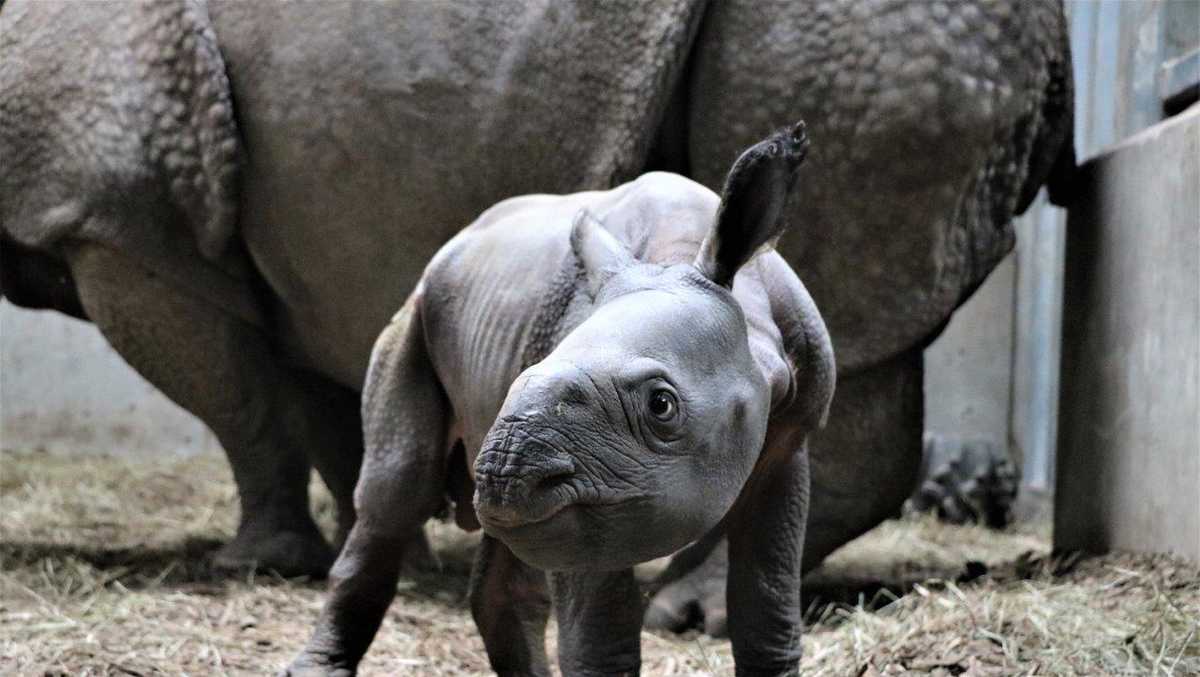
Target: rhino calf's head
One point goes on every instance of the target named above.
(635, 435)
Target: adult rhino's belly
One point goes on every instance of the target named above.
(337, 279)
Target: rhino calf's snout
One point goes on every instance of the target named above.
(515, 487)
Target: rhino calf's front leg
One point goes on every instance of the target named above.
(599, 623)
(510, 605)
(766, 544)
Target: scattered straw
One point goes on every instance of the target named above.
(103, 572)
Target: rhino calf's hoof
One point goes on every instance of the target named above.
(307, 665)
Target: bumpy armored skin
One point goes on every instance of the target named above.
(285, 171)
(612, 408)
(936, 122)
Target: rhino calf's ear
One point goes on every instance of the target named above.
(752, 202)
(598, 251)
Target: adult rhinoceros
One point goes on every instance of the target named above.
(239, 195)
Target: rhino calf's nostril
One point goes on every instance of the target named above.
(557, 467)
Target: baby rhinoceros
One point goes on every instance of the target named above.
(597, 379)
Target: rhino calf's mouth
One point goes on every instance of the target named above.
(537, 488)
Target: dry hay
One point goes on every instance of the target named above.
(103, 572)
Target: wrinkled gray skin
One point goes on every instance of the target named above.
(607, 407)
(240, 195)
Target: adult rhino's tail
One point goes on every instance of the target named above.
(198, 145)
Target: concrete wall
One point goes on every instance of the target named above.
(1129, 446)
(968, 369)
(62, 389)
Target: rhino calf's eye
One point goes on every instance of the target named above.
(662, 405)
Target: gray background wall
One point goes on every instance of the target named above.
(993, 373)
(62, 389)
(968, 370)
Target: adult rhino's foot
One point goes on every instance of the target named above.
(697, 599)
(289, 551)
(966, 480)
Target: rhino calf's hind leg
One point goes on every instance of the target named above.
(695, 598)
(406, 418)
(222, 369)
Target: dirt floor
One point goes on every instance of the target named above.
(103, 572)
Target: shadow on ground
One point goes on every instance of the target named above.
(187, 564)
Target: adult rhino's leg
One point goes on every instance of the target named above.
(863, 465)
(510, 604)
(866, 460)
(327, 421)
(402, 484)
(221, 368)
